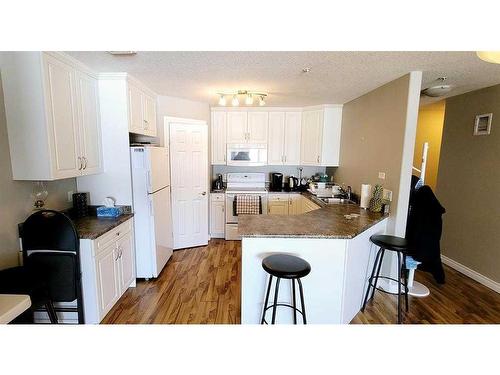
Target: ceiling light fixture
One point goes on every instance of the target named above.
(249, 97)
(122, 53)
(235, 102)
(437, 90)
(489, 56)
(222, 100)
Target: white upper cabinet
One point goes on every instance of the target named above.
(141, 109)
(320, 140)
(135, 109)
(52, 111)
(218, 133)
(257, 127)
(275, 145)
(90, 132)
(312, 128)
(291, 149)
(294, 136)
(237, 127)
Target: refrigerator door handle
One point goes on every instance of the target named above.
(148, 180)
(151, 210)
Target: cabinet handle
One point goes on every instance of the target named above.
(285, 158)
(117, 253)
(85, 161)
(80, 165)
(317, 159)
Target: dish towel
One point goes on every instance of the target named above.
(247, 205)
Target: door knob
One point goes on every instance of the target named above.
(204, 193)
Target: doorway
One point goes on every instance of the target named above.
(188, 142)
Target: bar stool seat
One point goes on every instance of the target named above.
(400, 246)
(283, 266)
(286, 266)
(390, 242)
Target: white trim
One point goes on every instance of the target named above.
(274, 109)
(181, 120)
(487, 282)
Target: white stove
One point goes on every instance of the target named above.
(239, 184)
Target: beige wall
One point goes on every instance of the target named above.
(429, 129)
(15, 200)
(378, 131)
(468, 184)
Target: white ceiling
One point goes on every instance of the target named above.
(335, 77)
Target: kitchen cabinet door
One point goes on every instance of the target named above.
(149, 115)
(294, 204)
(275, 207)
(292, 136)
(89, 124)
(275, 146)
(126, 262)
(311, 137)
(62, 118)
(217, 219)
(135, 110)
(218, 137)
(236, 127)
(107, 272)
(258, 123)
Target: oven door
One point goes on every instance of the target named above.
(246, 155)
(231, 218)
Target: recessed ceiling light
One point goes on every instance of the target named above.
(306, 70)
(489, 56)
(122, 53)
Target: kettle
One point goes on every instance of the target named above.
(293, 182)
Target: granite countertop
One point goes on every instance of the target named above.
(91, 227)
(325, 222)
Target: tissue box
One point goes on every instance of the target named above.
(104, 211)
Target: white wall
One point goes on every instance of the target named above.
(178, 107)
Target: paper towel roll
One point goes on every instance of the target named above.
(366, 194)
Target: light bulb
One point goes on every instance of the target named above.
(222, 100)
(249, 99)
(261, 101)
(235, 102)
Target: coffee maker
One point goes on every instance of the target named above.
(276, 181)
(218, 184)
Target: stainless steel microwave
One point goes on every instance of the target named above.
(246, 154)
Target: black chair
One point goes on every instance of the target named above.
(290, 267)
(51, 263)
(400, 246)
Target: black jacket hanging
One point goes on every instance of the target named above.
(423, 231)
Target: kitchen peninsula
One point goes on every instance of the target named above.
(336, 246)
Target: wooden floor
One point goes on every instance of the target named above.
(202, 285)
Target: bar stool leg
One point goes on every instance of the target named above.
(304, 320)
(371, 279)
(275, 305)
(293, 302)
(400, 265)
(378, 271)
(267, 299)
(405, 277)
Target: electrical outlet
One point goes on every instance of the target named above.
(70, 196)
(381, 175)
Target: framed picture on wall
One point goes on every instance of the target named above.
(482, 125)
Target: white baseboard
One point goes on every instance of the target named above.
(493, 285)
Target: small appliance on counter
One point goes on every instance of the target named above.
(218, 184)
(276, 182)
(293, 183)
(80, 206)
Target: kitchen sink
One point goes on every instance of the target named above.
(336, 201)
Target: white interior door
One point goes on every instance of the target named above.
(189, 181)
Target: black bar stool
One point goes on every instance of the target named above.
(400, 246)
(290, 267)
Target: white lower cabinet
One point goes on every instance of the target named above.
(289, 204)
(108, 270)
(217, 215)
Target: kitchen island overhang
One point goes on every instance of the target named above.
(338, 249)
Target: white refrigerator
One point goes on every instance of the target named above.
(152, 209)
